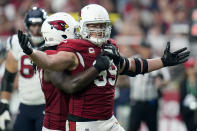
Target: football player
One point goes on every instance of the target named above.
(31, 109)
(56, 28)
(92, 109)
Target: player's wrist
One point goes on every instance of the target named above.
(95, 69)
(4, 106)
(33, 51)
(98, 68)
(28, 51)
(163, 62)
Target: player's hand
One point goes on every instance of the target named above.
(174, 58)
(4, 114)
(24, 43)
(112, 52)
(102, 63)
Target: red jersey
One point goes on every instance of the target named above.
(97, 101)
(56, 108)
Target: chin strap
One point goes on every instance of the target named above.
(97, 41)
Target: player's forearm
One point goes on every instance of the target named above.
(135, 66)
(154, 64)
(74, 83)
(81, 80)
(45, 61)
(56, 62)
(7, 84)
(40, 59)
(5, 95)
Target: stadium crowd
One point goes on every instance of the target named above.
(141, 27)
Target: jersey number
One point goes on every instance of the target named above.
(107, 77)
(26, 69)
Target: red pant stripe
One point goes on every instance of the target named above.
(72, 126)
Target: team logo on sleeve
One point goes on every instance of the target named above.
(59, 25)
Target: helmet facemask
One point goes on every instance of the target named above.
(35, 38)
(97, 35)
(35, 16)
(95, 15)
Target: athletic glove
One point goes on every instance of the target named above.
(4, 114)
(102, 63)
(24, 43)
(112, 52)
(174, 58)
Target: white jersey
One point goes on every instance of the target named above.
(29, 83)
(143, 86)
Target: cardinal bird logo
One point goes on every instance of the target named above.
(58, 24)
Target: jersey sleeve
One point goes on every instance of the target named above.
(50, 52)
(9, 43)
(114, 43)
(66, 45)
(74, 45)
(13, 46)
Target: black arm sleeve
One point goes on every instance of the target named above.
(126, 68)
(138, 66)
(145, 66)
(7, 81)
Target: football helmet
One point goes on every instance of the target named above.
(35, 16)
(95, 14)
(58, 27)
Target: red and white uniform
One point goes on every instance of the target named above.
(97, 101)
(56, 107)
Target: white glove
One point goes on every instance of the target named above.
(4, 113)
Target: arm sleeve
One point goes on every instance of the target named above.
(65, 46)
(140, 68)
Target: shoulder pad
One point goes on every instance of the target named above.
(73, 45)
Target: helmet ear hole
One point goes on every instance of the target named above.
(64, 36)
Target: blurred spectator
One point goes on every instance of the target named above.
(188, 96)
(144, 94)
(109, 5)
(73, 6)
(156, 39)
(157, 20)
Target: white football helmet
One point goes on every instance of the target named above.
(95, 14)
(58, 27)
